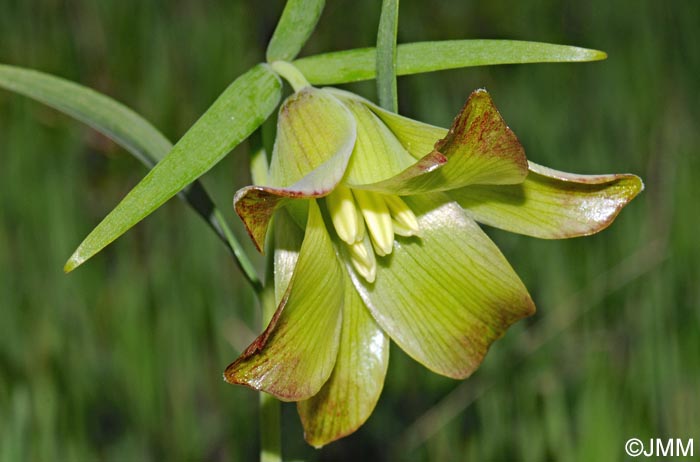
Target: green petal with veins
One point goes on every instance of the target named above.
(378, 155)
(352, 391)
(479, 148)
(295, 355)
(445, 297)
(312, 128)
(315, 138)
(288, 238)
(551, 204)
(417, 138)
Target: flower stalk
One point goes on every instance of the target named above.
(270, 407)
(291, 74)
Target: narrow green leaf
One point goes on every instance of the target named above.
(102, 113)
(126, 128)
(238, 111)
(414, 58)
(298, 21)
(339, 66)
(386, 55)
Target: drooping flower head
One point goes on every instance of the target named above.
(375, 238)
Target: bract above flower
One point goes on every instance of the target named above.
(375, 238)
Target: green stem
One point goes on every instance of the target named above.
(270, 438)
(270, 425)
(291, 74)
(386, 55)
(218, 221)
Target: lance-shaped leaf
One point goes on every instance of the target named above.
(315, 138)
(348, 398)
(551, 204)
(126, 128)
(295, 355)
(116, 121)
(298, 21)
(444, 298)
(413, 58)
(386, 55)
(238, 111)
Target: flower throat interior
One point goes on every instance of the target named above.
(367, 222)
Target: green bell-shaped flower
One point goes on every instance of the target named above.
(375, 237)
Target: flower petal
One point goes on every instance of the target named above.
(351, 393)
(479, 147)
(315, 138)
(288, 241)
(417, 137)
(377, 155)
(312, 127)
(408, 180)
(444, 298)
(295, 355)
(551, 204)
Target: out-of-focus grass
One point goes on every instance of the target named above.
(122, 359)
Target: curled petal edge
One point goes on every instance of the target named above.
(402, 183)
(256, 204)
(289, 359)
(349, 396)
(479, 147)
(551, 204)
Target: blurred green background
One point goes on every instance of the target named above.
(122, 360)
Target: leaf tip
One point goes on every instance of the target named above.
(597, 55)
(589, 54)
(74, 261)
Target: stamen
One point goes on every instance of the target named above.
(344, 216)
(405, 221)
(377, 219)
(403, 231)
(363, 260)
(360, 227)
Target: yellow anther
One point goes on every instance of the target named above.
(343, 211)
(403, 231)
(360, 227)
(405, 221)
(378, 220)
(363, 260)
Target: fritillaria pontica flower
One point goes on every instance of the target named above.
(375, 237)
